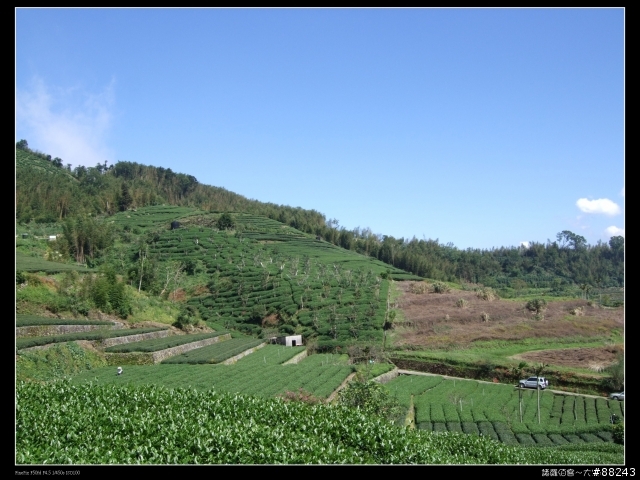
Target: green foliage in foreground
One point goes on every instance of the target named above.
(61, 423)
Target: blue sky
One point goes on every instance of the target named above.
(479, 127)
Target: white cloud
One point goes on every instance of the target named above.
(614, 231)
(601, 205)
(70, 124)
(524, 244)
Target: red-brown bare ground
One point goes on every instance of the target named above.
(434, 321)
(594, 358)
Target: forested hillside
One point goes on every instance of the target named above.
(46, 191)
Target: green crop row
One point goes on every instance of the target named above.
(215, 353)
(25, 263)
(271, 355)
(156, 344)
(243, 377)
(31, 320)
(474, 402)
(26, 342)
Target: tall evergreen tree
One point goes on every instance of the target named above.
(125, 200)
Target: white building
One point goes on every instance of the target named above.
(289, 341)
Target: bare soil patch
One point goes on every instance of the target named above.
(433, 320)
(270, 321)
(597, 359)
(201, 290)
(178, 295)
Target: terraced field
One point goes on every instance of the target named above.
(26, 342)
(34, 320)
(255, 374)
(265, 274)
(157, 344)
(216, 353)
(27, 263)
(493, 410)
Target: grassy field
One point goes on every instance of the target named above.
(460, 333)
(500, 351)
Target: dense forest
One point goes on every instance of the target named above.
(48, 191)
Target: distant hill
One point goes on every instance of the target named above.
(49, 193)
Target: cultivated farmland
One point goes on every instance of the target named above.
(33, 320)
(156, 344)
(267, 275)
(26, 342)
(250, 375)
(217, 352)
(493, 410)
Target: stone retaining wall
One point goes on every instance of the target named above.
(149, 358)
(50, 330)
(110, 342)
(231, 360)
(332, 397)
(180, 349)
(297, 359)
(386, 377)
(129, 358)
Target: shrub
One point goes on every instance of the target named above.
(371, 397)
(485, 317)
(187, 318)
(462, 303)
(537, 305)
(616, 372)
(486, 293)
(225, 222)
(440, 287)
(32, 279)
(110, 296)
(418, 287)
(618, 433)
